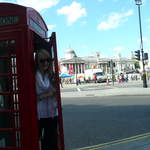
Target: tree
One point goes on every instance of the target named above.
(136, 65)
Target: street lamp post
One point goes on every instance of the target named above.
(139, 3)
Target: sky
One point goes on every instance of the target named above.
(108, 27)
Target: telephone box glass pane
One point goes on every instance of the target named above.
(52, 52)
(9, 104)
(52, 55)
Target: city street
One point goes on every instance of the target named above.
(103, 86)
(93, 119)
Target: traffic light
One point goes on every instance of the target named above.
(145, 56)
(137, 54)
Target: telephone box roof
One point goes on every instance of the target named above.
(22, 16)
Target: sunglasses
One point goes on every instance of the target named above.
(42, 61)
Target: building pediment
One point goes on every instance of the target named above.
(72, 60)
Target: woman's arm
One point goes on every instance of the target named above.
(43, 89)
(45, 95)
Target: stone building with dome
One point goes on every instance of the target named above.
(74, 64)
(71, 63)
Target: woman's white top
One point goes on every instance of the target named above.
(46, 107)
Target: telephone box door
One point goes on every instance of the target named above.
(53, 53)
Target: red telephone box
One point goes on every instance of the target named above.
(22, 32)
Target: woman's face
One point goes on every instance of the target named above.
(43, 62)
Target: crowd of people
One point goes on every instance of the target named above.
(120, 78)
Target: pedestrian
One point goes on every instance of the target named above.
(46, 101)
(79, 81)
(61, 84)
(95, 78)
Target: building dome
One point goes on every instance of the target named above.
(69, 53)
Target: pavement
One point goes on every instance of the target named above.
(139, 142)
(105, 90)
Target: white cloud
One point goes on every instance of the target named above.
(118, 48)
(51, 26)
(73, 12)
(38, 4)
(114, 20)
(7, 1)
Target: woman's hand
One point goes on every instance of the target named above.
(51, 92)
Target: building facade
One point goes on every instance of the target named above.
(73, 64)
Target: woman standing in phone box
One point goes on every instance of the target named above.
(46, 101)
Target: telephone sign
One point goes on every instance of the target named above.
(8, 20)
(37, 27)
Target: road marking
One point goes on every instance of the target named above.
(92, 95)
(93, 88)
(79, 89)
(117, 142)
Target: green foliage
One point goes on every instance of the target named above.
(137, 65)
